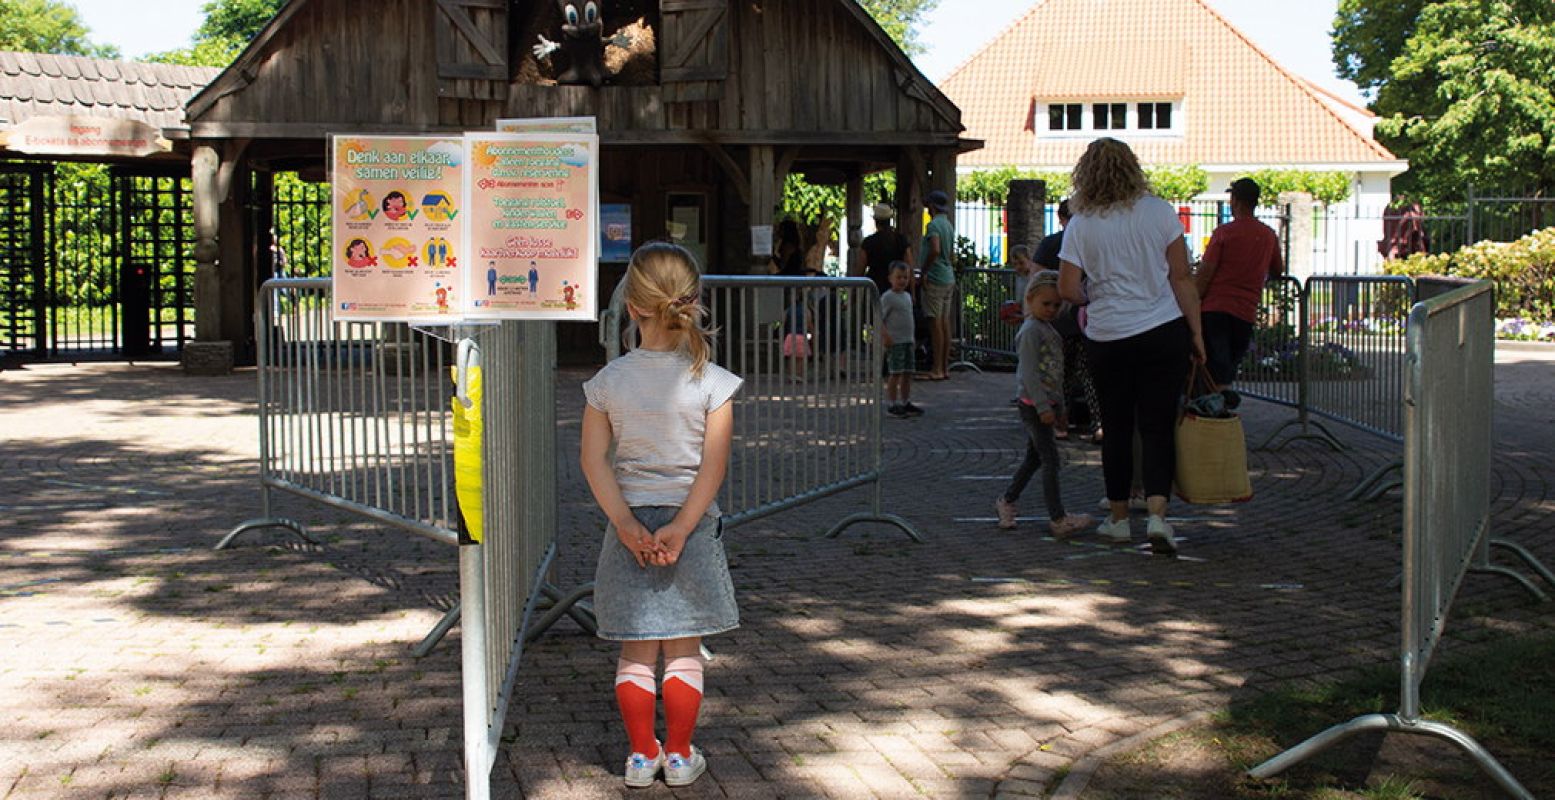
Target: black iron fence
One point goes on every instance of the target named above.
(94, 260)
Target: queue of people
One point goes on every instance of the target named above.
(658, 425)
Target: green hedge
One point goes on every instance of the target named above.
(1524, 272)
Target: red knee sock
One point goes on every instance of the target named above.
(682, 701)
(635, 696)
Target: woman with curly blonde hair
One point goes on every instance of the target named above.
(1123, 257)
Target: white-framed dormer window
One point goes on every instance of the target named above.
(1153, 116)
(1109, 116)
(1071, 119)
(1064, 116)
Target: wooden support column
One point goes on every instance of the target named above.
(764, 189)
(209, 353)
(909, 198)
(853, 230)
(942, 175)
(238, 264)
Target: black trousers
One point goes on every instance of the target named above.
(1226, 339)
(1139, 380)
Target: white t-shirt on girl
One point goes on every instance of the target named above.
(1124, 257)
(658, 420)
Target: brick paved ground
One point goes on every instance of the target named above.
(138, 663)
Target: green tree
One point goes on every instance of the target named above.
(900, 19)
(47, 26)
(1462, 89)
(228, 27)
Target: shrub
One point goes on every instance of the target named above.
(1523, 271)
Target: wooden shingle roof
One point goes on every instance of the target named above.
(38, 84)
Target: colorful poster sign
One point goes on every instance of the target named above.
(398, 227)
(533, 232)
(615, 229)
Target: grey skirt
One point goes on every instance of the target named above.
(692, 597)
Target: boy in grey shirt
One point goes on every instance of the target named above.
(897, 328)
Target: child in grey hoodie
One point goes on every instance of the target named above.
(1040, 371)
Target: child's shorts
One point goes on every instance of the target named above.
(796, 345)
(898, 358)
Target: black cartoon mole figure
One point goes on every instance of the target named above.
(582, 42)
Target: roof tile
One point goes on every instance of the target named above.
(33, 84)
(1190, 52)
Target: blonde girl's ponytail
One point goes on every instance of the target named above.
(662, 278)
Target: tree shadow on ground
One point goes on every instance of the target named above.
(865, 663)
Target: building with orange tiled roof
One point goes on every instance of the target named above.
(1174, 79)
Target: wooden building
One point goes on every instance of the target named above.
(703, 107)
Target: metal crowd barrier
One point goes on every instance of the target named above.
(359, 416)
(1273, 366)
(1340, 358)
(1450, 355)
(805, 427)
(1355, 346)
(979, 293)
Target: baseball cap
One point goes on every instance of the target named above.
(937, 200)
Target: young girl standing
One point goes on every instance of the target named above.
(662, 582)
(1040, 370)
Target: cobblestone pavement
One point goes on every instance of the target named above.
(137, 662)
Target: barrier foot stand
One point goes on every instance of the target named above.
(1528, 558)
(963, 365)
(1367, 484)
(441, 629)
(267, 522)
(1395, 724)
(889, 519)
(1513, 574)
(563, 605)
(1323, 435)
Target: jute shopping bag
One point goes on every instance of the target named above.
(1211, 454)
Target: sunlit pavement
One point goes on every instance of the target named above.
(137, 662)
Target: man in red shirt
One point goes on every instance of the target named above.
(1242, 254)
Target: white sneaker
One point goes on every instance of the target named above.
(1162, 543)
(641, 770)
(1135, 503)
(1115, 531)
(680, 770)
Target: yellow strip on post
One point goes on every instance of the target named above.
(468, 428)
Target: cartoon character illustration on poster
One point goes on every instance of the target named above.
(582, 42)
(438, 207)
(359, 254)
(436, 252)
(360, 206)
(442, 300)
(399, 253)
(534, 279)
(491, 279)
(569, 295)
(395, 206)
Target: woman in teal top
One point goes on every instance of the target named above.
(936, 254)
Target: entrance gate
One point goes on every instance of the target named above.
(95, 261)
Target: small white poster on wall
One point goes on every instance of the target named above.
(761, 240)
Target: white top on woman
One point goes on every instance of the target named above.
(1123, 255)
